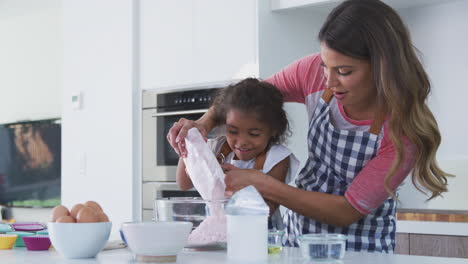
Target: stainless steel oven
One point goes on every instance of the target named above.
(159, 160)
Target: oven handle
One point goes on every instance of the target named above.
(198, 111)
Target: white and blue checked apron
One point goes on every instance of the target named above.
(335, 158)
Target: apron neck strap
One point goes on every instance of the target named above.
(225, 150)
(376, 125)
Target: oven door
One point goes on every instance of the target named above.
(165, 154)
(159, 159)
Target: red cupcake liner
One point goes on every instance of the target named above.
(37, 242)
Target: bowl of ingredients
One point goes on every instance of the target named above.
(208, 219)
(156, 241)
(274, 241)
(318, 247)
(81, 232)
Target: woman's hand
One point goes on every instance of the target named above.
(237, 179)
(178, 132)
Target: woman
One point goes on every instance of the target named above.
(369, 127)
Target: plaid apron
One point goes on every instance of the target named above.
(335, 158)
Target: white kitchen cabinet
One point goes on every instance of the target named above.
(196, 41)
(165, 41)
(224, 40)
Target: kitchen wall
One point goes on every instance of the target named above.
(98, 155)
(31, 60)
(285, 37)
(438, 32)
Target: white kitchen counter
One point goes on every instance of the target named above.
(288, 256)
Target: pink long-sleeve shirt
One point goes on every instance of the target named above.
(303, 82)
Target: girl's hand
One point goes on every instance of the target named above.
(178, 132)
(237, 179)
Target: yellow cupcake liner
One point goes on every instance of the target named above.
(7, 241)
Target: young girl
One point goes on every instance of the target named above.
(256, 125)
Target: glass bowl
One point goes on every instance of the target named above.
(319, 247)
(191, 209)
(195, 210)
(274, 241)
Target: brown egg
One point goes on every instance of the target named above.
(66, 219)
(75, 209)
(58, 212)
(87, 215)
(102, 217)
(94, 205)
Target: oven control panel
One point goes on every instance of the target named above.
(187, 100)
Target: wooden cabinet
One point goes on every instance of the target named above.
(431, 245)
(196, 41)
(402, 243)
(424, 232)
(438, 245)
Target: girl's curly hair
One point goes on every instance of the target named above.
(258, 98)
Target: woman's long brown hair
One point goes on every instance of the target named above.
(373, 31)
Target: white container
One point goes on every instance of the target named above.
(247, 238)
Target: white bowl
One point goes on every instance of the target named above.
(156, 241)
(79, 240)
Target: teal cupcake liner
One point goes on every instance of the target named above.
(42, 232)
(19, 241)
(5, 228)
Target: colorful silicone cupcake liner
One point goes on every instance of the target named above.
(5, 228)
(28, 227)
(7, 241)
(19, 241)
(37, 242)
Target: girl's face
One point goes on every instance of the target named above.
(351, 82)
(246, 136)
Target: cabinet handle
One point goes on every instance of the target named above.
(188, 112)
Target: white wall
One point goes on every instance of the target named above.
(30, 60)
(284, 37)
(99, 150)
(439, 32)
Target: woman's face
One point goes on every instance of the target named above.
(246, 136)
(351, 82)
